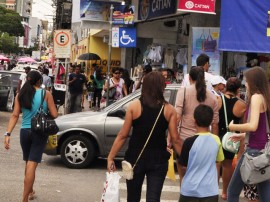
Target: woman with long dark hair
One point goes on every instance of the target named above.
(28, 101)
(258, 94)
(188, 98)
(141, 115)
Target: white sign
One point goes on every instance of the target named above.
(60, 87)
(115, 37)
(62, 43)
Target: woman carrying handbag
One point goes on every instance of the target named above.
(153, 161)
(28, 101)
(259, 107)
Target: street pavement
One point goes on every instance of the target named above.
(56, 183)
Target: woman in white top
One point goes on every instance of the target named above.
(118, 83)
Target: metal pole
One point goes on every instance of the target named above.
(109, 56)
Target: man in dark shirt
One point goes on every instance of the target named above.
(76, 81)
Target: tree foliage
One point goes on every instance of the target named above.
(7, 44)
(10, 22)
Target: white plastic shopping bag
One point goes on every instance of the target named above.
(111, 188)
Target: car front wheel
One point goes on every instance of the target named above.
(77, 151)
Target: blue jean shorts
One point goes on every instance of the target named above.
(32, 145)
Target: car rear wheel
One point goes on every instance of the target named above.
(77, 151)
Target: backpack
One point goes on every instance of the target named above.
(91, 86)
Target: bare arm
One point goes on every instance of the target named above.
(121, 138)
(13, 121)
(255, 109)
(171, 117)
(19, 86)
(51, 105)
(214, 128)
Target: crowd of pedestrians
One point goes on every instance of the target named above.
(196, 126)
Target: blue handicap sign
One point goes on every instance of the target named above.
(127, 37)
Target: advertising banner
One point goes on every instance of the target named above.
(198, 6)
(94, 10)
(100, 11)
(245, 26)
(123, 15)
(205, 40)
(62, 43)
(151, 8)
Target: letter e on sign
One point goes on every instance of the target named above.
(62, 43)
(62, 38)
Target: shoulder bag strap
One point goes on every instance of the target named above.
(43, 93)
(225, 112)
(148, 136)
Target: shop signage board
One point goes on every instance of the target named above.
(124, 37)
(123, 15)
(205, 40)
(62, 43)
(197, 6)
(152, 8)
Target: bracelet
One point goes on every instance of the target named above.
(7, 134)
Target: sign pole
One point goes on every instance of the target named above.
(109, 56)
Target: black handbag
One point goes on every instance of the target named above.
(42, 122)
(112, 92)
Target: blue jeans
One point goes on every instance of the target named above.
(155, 173)
(236, 184)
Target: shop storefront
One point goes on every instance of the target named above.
(167, 38)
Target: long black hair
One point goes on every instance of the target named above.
(197, 74)
(28, 90)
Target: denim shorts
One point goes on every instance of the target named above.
(32, 145)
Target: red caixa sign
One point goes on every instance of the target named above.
(197, 6)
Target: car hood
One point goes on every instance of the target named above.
(76, 119)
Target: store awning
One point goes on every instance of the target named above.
(243, 26)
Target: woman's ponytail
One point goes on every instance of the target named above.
(197, 74)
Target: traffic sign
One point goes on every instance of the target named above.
(127, 37)
(124, 37)
(62, 43)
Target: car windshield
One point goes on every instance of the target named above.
(118, 101)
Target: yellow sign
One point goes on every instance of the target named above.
(268, 24)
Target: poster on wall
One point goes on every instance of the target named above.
(205, 40)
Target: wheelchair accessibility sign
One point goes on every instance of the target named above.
(123, 37)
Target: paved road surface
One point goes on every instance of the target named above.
(55, 182)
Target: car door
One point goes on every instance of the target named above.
(113, 124)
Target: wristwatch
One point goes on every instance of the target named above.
(7, 134)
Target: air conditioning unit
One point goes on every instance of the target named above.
(106, 39)
(169, 25)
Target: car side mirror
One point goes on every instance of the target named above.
(121, 113)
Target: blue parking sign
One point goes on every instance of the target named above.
(127, 37)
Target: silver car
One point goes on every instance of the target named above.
(84, 136)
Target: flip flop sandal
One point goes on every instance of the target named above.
(32, 196)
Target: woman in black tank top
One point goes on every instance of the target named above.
(235, 109)
(141, 115)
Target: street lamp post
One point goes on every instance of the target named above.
(109, 56)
